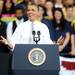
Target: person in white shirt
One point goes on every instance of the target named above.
(11, 27)
(23, 33)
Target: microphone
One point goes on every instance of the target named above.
(33, 32)
(38, 33)
(36, 39)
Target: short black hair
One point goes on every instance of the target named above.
(69, 6)
(19, 7)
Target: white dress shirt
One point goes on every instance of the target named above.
(23, 33)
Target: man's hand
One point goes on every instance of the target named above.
(3, 40)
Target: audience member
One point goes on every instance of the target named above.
(69, 13)
(40, 2)
(60, 33)
(68, 2)
(58, 4)
(14, 24)
(1, 7)
(41, 16)
(8, 7)
(49, 7)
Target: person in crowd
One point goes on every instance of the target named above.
(39, 2)
(14, 24)
(41, 16)
(15, 2)
(70, 19)
(24, 32)
(1, 7)
(35, 2)
(69, 13)
(24, 4)
(60, 33)
(58, 4)
(49, 7)
(41, 12)
(8, 7)
(68, 2)
(8, 11)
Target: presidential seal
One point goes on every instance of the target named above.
(37, 56)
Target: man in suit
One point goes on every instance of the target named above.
(23, 33)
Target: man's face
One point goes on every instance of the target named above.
(19, 13)
(32, 12)
(49, 5)
(69, 12)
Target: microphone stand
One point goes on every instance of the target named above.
(36, 39)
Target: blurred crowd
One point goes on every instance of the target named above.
(58, 15)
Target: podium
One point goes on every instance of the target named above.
(34, 59)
